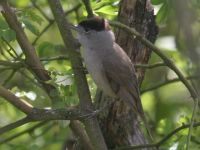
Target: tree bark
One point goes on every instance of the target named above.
(119, 124)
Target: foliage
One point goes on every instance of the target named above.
(167, 107)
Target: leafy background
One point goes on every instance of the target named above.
(167, 107)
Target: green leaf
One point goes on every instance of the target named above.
(34, 17)
(9, 35)
(3, 24)
(109, 10)
(104, 3)
(157, 2)
(45, 48)
(162, 13)
(31, 27)
(29, 14)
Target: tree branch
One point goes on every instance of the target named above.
(14, 100)
(166, 60)
(36, 114)
(171, 65)
(76, 7)
(166, 83)
(14, 65)
(40, 10)
(9, 77)
(158, 144)
(31, 58)
(48, 114)
(79, 131)
(88, 8)
(150, 66)
(91, 124)
(23, 132)
(14, 125)
(55, 58)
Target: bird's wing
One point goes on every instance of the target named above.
(120, 70)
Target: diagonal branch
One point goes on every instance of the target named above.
(36, 114)
(14, 100)
(166, 60)
(48, 114)
(167, 82)
(76, 7)
(14, 125)
(23, 132)
(91, 124)
(150, 66)
(171, 65)
(31, 58)
(79, 131)
(40, 10)
(88, 8)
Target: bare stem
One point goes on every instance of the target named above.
(88, 8)
(23, 132)
(14, 125)
(14, 100)
(91, 124)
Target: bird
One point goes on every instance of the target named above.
(108, 64)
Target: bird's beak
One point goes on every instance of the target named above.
(76, 28)
(73, 27)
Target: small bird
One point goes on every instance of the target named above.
(108, 64)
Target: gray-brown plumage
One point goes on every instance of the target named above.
(108, 64)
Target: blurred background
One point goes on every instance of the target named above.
(166, 101)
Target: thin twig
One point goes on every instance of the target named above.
(88, 8)
(91, 124)
(10, 46)
(8, 50)
(76, 7)
(169, 63)
(30, 79)
(9, 77)
(14, 125)
(14, 65)
(195, 107)
(150, 66)
(3, 141)
(14, 100)
(166, 60)
(40, 10)
(42, 32)
(62, 57)
(32, 60)
(166, 83)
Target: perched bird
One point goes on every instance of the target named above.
(108, 64)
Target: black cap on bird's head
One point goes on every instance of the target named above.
(95, 23)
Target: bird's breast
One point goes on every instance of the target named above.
(93, 63)
(95, 68)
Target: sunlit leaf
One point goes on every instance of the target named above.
(104, 3)
(157, 2)
(3, 24)
(8, 34)
(109, 10)
(29, 14)
(162, 13)
(31, 27)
